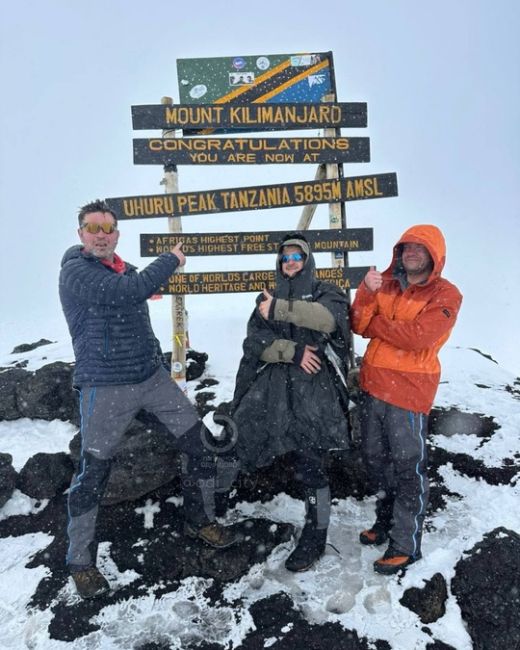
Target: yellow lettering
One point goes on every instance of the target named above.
(351, 194)
(279, 157)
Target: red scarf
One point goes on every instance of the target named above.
(117, 264)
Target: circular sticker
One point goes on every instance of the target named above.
(198, 91)
(262, 63)
(176, 366)
(239, 63)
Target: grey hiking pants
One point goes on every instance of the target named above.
(395, 454)
(106, 413)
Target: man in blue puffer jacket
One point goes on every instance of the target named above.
(119, 371)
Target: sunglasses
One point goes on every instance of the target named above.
(295, 257)
(94, 228)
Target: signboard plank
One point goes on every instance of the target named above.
(250, 117)
(250, 243)
(253, 198)
(274, 77)
(250, 151)
(245, 281)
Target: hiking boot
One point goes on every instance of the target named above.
(309, 549)
(90, 583)
(213, 534)
(373, 536)
(394, 561)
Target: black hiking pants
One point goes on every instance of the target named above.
(395, 454)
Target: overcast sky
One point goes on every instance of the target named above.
(442, 85)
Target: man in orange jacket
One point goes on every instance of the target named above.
(407, 312)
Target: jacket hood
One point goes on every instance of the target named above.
(71, 253)
(302, 284)
(431, 238)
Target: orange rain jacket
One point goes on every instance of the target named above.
(407, 326)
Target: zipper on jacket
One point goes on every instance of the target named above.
(105, 351)
(288, 373)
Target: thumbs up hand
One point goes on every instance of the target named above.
(373, 279)
(265, 305)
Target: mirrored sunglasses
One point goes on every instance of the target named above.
(295, 257)
(94, 228)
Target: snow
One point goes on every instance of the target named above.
(25, 437)
(21, 504)
(341, 588)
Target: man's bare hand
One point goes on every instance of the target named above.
(310, 362)
(265, 305)
(373, 279)
(177, 251)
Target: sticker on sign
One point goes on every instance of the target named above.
(262, 63)
(241, 78)
(305, 59)
(198, 91)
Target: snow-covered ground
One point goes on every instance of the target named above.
(341, 588)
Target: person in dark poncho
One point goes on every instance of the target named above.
(286, 397)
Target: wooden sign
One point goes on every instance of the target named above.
(249, 151)
(253, 198)
(250, 243)
(250, 117)
(244, 281)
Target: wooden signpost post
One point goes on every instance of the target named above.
(170, 182)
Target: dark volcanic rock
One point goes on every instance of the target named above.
(487, 588)
(48, 394)
(196, 364)
(429, 603)
(277, 618)
(145, 460)
(469, 466)
(10, 382)
(27, 347)
(8, 477)
(448, 422)
(45, 475)
(202, 400)
(206, 382)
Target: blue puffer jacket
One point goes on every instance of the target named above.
(108, 318)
